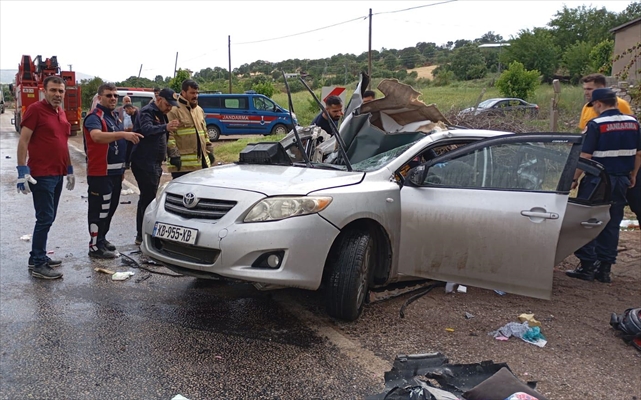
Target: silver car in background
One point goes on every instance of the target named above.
(417, 200)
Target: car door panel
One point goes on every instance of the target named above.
(491, 214)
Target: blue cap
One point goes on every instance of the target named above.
(602, 94)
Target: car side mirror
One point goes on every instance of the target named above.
(83, 114)
(416, 176)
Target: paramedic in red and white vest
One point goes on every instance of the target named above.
(106, 149)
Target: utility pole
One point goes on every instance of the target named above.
(176, 65)
(369, 53)
(139, 71)
(70, 67)
(229, 55)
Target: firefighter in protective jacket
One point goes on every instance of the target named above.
(189, 148)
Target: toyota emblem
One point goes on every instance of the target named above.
(189, 200)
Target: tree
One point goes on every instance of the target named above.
(535, 49)
(468, 63)
(390, 62)
(89, 88)
(176, 82)
(582, 24)
(601, 57)
(410, 57)
(489, 37)
(516, 81)
(159, 80)
(266, 88)
(576, 60)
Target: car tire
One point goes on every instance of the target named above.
(279, 129)
(213, 132)
(349, 271)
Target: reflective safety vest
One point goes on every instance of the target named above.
(190, 142)
(104, 158)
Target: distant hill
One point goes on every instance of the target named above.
(8, 75)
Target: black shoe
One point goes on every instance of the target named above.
(138, 240)
(44, 271)
(602, 273)
(584, 271)
(50, 262)
(101, 252)
(108, 245)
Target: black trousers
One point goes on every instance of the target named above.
(148, 179)
(104, 196)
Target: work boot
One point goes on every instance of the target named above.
(50, 262)
(44, 271)
(101, 252)
(584, 271)
(602, 273)
(108, 245)
(138, 240)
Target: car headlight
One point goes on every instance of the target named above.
(160, 191)
(276, 208)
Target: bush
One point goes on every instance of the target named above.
(444, 78)
(266, 88)
(516, 81)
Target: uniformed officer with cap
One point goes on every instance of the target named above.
(614, 140)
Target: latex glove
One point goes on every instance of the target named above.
(71, 180)
(176, 162)
(24, 179)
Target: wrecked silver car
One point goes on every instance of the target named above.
(398, 195)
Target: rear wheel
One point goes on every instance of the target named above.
(279, 129)
(349, 271)
(213, 132)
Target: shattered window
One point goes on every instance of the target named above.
(380, 160)
(516, 166)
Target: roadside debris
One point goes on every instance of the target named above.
(127, 192)
(461, 289)
(121, 276)
(26, 238)
(468, 315)
(500, 292)
(629, 224)
(179, 397)
(522, 331)
(432, 377)
(104, 271)
(530, 320)
(628, 326)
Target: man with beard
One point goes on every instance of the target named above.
(105, 143)
(334, 107)
(189, 148)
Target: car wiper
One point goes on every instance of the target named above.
(291, 117)
(339, 139)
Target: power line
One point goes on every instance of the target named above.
(414, 8)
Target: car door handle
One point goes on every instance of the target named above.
(592, 222)
(537, 214)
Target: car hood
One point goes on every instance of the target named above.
(271, 180)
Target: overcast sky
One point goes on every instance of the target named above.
(98, 39)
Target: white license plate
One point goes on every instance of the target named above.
(175, 233)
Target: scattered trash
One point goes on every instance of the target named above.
(499, 292)
(628, 326)
(103, 270)
(521, 331)
(449, 287)
(127, 192)
(121, 276)
(26, 238)
(468, 315)
(7, 157)
(530, 320)
(179, 397)
(629, 224)
(431, 376)
(50, 252)
(218, 357)
(461, 289)
(125, 202)
(84, 197)
(449, 329)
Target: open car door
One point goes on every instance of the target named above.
(490, 214)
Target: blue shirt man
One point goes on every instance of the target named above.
(614, 140)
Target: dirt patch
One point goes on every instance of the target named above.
(424, 72)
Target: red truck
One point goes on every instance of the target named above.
(28, 89)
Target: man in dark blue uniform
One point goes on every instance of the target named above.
(148, 155)
(614, 140)
(334, 107)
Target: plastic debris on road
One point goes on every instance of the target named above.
(121, 276)
(25, 238)
(127, 192)
(179, 397)
(449, 287)
(521, 331)
(629, 224)
(530, 320)
(104, 271)
(468, 315)
(500, 292)
(461, 289)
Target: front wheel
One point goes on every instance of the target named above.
(349, 271)
(279, 129)
(213, 132)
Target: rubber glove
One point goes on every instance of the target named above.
(24, 179)
(71, 180)
(176, 162)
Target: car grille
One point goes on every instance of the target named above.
(185, 252)
(205, 209)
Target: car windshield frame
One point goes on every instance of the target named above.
(376, 162)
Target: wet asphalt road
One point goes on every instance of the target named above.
(153, 336)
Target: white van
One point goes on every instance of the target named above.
(139, 97)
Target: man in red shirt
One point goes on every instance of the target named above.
(43, 137)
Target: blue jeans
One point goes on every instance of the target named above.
(46, 195)
(604, 247)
